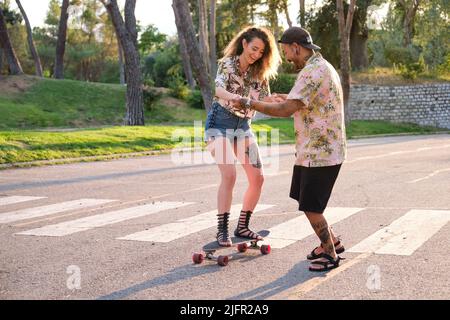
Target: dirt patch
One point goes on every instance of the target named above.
(12, 85)
(173, 102)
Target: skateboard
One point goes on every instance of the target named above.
(241, 244)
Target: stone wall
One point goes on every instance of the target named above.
(427, 104)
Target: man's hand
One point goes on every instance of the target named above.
(273, 99)
(239, 103)
(280, 97)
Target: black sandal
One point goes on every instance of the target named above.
(327, 265)
(314, 256)
(223, 238)
(243, 231)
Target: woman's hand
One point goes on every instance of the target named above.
(238, 103)
(275, 98)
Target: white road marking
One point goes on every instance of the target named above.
(17, 199)
(406, 234)
(429, 176)
(302, 289)
(50, 209)
(184, 227)
(83, 224)
(299, 228)
(384, 155)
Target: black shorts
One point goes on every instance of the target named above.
(312, 187)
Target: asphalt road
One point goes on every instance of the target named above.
(147, 216)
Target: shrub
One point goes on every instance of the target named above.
(283, 83)
(151, 96)
(412, 70)
(178, 88)
(195, 99)
(401, 55)
(444, 68)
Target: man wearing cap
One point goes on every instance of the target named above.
(316, 101)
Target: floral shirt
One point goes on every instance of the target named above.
(232, 80)
(320, 127)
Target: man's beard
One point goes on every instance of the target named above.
(299, 66)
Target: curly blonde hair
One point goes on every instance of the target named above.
(267, 66)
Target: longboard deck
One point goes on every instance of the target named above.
(214, 246)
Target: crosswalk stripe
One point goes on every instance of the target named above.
(17, 199)
(299, 228)
(83, 224)
(406, 234)
(50, 209)
(185, 227)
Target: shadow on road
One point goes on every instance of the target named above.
(297, 275)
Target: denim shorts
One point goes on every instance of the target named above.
(222, 123)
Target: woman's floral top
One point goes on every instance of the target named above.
(232, 80)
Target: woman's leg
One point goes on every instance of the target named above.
(247, 151)
(222, 151)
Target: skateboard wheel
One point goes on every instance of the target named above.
(265, 249)
(198, 258)
(222, 261)
(242, 247)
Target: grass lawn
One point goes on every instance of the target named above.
(46, 119)
(25, 146)
(48, 103)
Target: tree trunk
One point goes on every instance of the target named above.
(286, 12)
(126, 31)
(130, 20)
(203, 32)
(198, 64)
(121, 64)
(358, 46)
(273, 17)
(14, 65)
(1, 60)
(345, 26)
(61, 43)
(184, 54)
(34, 53)
(212, 39)
(302, 13)
(410, 10)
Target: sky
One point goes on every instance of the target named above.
(156, 12)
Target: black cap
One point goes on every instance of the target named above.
(299, 36)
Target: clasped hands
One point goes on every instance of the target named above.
(241, 103)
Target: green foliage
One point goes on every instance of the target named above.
(163, 66)
(195, 99)
(444, 68)
(407, 61)
(178, 88)
(413, 69)
(283, 83)
(401, 55)
(151, 96)
(433, 31)
(150, 40)
(53, 13)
